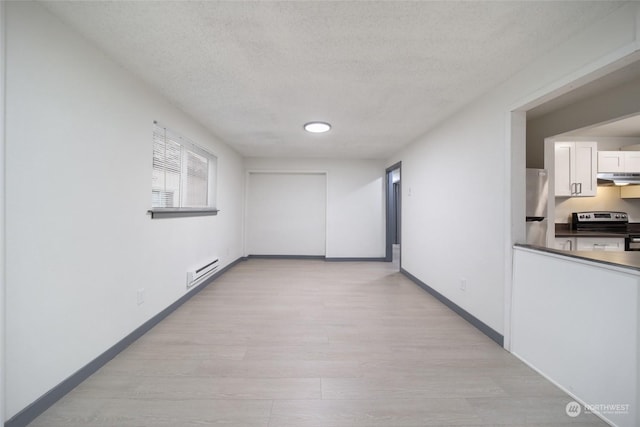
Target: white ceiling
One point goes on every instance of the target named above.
(381, 72)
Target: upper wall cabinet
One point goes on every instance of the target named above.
(618, 161)
(576, 166)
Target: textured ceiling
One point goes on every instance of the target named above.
(382, 72)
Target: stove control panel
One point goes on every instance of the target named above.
(599, 216)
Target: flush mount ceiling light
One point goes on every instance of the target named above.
(317, 127)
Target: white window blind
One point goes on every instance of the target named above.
(196, 188)
(183, 173)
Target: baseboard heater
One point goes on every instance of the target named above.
(201, 274)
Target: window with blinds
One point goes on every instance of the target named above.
(183, 173)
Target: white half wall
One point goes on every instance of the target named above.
(355, 221)
(286, 213)
(457, 180)
(80, 244)
(577, 324)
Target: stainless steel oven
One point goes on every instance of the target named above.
(632, 242)
(602, 221)
(610, 222)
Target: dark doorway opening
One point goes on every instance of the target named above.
(393, 209)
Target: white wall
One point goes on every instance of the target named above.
(79, 241)
(452, 211)
(355, 202)
(459, 174)
(586, 340)
(286, 214)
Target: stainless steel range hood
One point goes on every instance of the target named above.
(619, 178)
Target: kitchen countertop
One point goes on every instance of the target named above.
(627, 259)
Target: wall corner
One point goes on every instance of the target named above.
(2, 211)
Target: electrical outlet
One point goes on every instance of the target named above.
(463, 284)
(140, 296)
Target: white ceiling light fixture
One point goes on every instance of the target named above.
(317, 127)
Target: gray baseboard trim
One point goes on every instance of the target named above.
(43, 403)
(317, 257)
(479, 324)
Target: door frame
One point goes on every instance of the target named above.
(388, 201)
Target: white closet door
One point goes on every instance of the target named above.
(286, 213)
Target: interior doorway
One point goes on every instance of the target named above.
(393, 200)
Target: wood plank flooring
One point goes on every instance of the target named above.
(278, 343)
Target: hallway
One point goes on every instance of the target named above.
(276, 343)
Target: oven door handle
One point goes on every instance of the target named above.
(634, 239)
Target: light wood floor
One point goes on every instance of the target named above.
(277, 343)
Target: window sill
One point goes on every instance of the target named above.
(158, 213)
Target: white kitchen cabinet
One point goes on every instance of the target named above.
(632, 161)
(565, 243)
(610, 161)
(576, 165)
(600, 244)
(618, 161)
